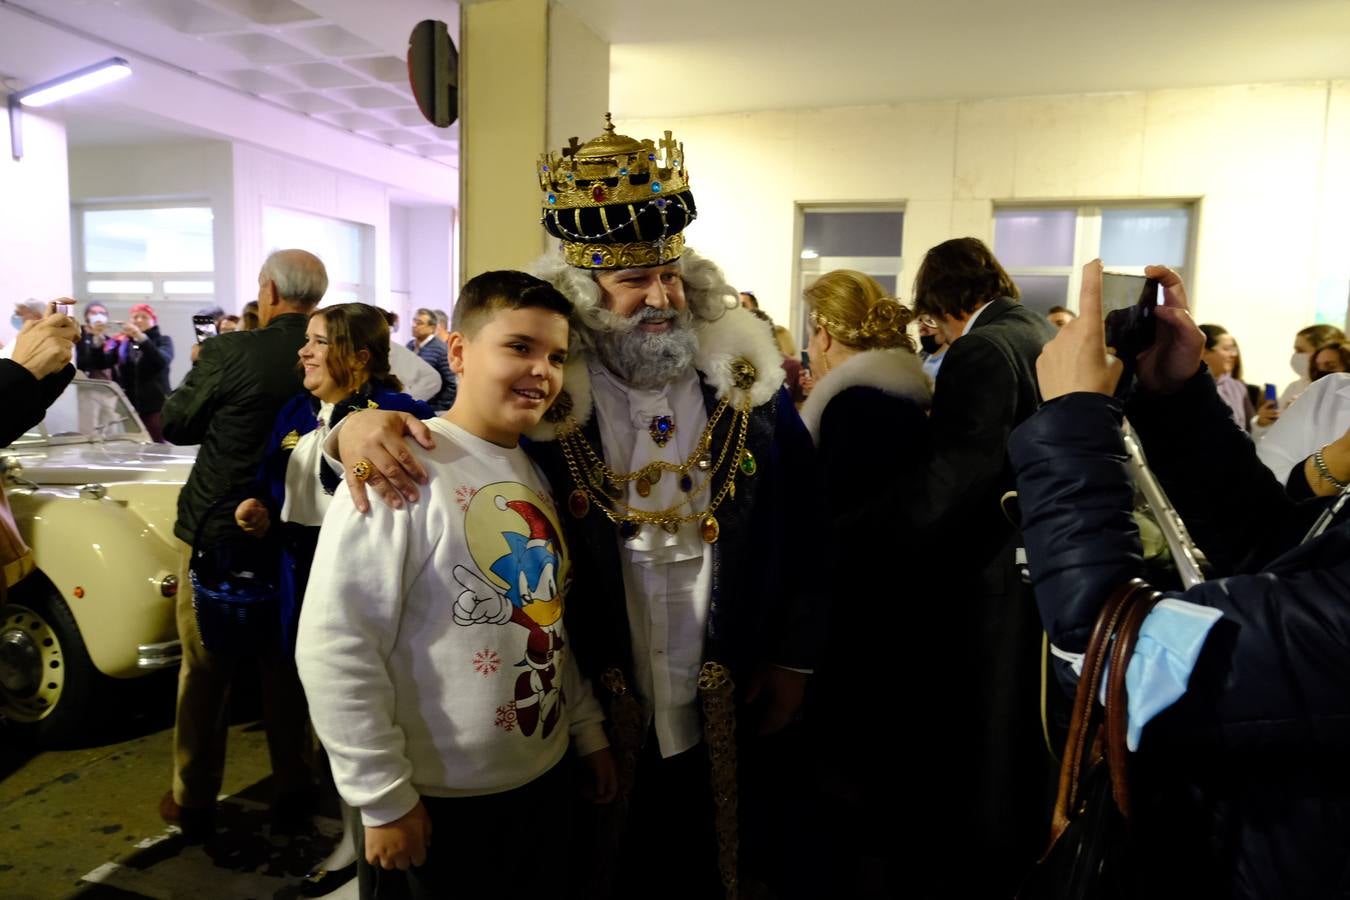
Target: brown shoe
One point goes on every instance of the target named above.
(197, 824)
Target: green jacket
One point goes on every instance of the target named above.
(228, 403)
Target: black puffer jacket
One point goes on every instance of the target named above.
(228, 403)
(1245, 778)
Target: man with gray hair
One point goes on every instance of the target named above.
(428, 345)
(687, 475)
(227, 404)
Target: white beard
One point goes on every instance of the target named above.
(643, 360)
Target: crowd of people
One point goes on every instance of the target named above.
(630, 600)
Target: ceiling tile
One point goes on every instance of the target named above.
(311, 103)
(408, 116)
(255, 81)
(187, 17)
(330, 40)
(397, 136)
(262, 50)
(382, 68)
(269, 12)
(356, 121)
(323, 75)
(371, 98)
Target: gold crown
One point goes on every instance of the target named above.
(612, 169)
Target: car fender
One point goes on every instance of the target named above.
(107, 563)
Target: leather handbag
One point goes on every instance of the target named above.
(1089, 854)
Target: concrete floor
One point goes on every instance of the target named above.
(66, 813)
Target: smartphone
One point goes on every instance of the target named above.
(806, 360)
(1271, 396)
(204, 326)
(1123, 291)
(65, 309)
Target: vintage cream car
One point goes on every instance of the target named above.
(96, 499)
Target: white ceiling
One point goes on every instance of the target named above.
(338, 61)
(341, 61)
(716, 56)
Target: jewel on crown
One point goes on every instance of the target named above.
(612, 169)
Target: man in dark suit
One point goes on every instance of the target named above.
(979, 630)
(434, 352)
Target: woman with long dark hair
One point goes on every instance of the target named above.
(345, 359)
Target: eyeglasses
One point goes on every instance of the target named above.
(927, 321)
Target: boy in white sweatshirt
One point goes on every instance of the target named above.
(431, 641)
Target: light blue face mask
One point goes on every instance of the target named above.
(17, 321)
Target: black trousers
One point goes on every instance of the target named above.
(508, 844)
(669, 846)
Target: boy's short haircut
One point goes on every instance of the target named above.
(491, 292)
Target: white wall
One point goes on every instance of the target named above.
(421, 266)
(35, 231)
(188, 171)
(430, 249)
(1268, 164)
(400, 293)
(263, 179)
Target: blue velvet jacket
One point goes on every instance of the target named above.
(296, 542)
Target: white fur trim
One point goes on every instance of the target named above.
(577, 384)
(736, 335)
(896, 372)
(739, 334)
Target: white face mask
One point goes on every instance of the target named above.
(1299, 363)
(98, 318)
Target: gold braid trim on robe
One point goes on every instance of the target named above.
(717, 693)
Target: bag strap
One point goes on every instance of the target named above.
(1081, 749)
(1117, 706)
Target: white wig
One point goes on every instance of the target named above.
(705, 288)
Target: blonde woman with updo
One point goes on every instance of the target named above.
(863, 364)
(866, 414)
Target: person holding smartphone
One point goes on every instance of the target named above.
(1241, 788)
(94, 335)
(35, 372)
(139, 357)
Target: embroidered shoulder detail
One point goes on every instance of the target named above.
(290, 440)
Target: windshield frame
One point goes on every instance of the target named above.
(94, 399)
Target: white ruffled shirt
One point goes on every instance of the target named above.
(306, 501)
(667, 577)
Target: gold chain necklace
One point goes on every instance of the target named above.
(606, 489)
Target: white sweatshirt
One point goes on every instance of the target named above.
(431, 642)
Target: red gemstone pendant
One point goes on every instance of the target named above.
(598, 193)
(578, 504)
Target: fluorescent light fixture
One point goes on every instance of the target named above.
(68, 85)
(85, 79)
(808, 253)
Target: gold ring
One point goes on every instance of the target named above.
(362, 469)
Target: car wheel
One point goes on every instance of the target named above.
(48, 685)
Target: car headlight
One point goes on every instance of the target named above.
(168, 586)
